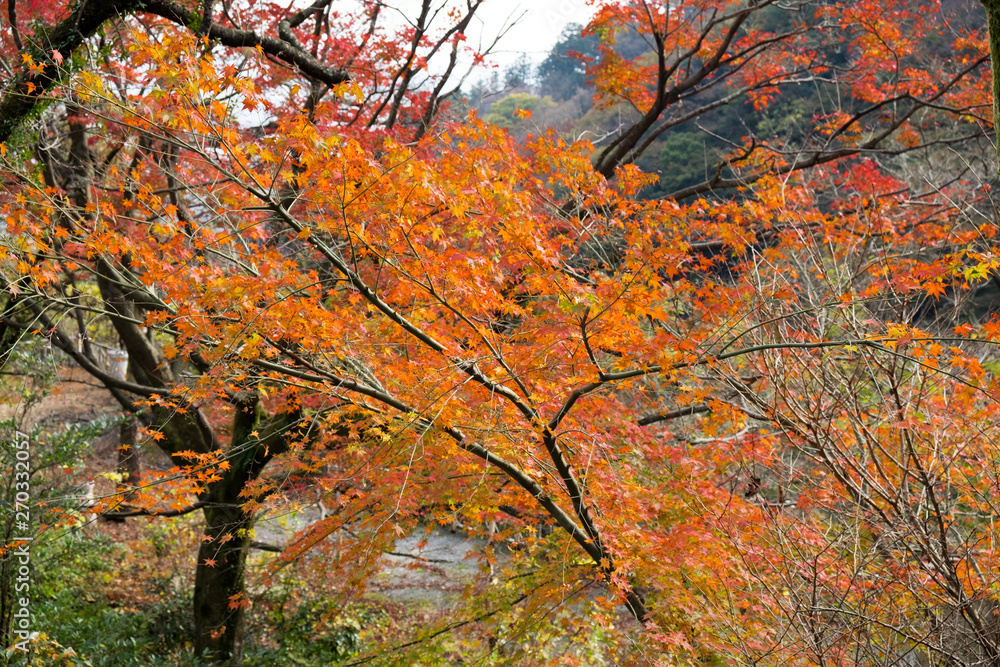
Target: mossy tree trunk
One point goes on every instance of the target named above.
(219, 625)
(993, 21)
(219, 618)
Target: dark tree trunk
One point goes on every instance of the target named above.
(993, 23)
(219, 628)
(219, 624)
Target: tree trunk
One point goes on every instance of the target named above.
(993, 21)
(219, 629)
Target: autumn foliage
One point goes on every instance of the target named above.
(757, 417)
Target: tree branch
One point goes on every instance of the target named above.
(12, 19)
(25, 91)
(674, 414)
(147, 512)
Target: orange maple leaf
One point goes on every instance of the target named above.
(934, 289)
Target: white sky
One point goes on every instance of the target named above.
(541, 23)
(536, 33)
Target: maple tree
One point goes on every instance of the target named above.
(756, 413)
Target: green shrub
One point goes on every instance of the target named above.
(309, 632)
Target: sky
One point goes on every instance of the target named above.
(536, 33)
(541, 22)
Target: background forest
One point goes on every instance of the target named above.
(330, 344)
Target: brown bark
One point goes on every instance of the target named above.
(219, 624)
(993, 21)
(219, 627)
